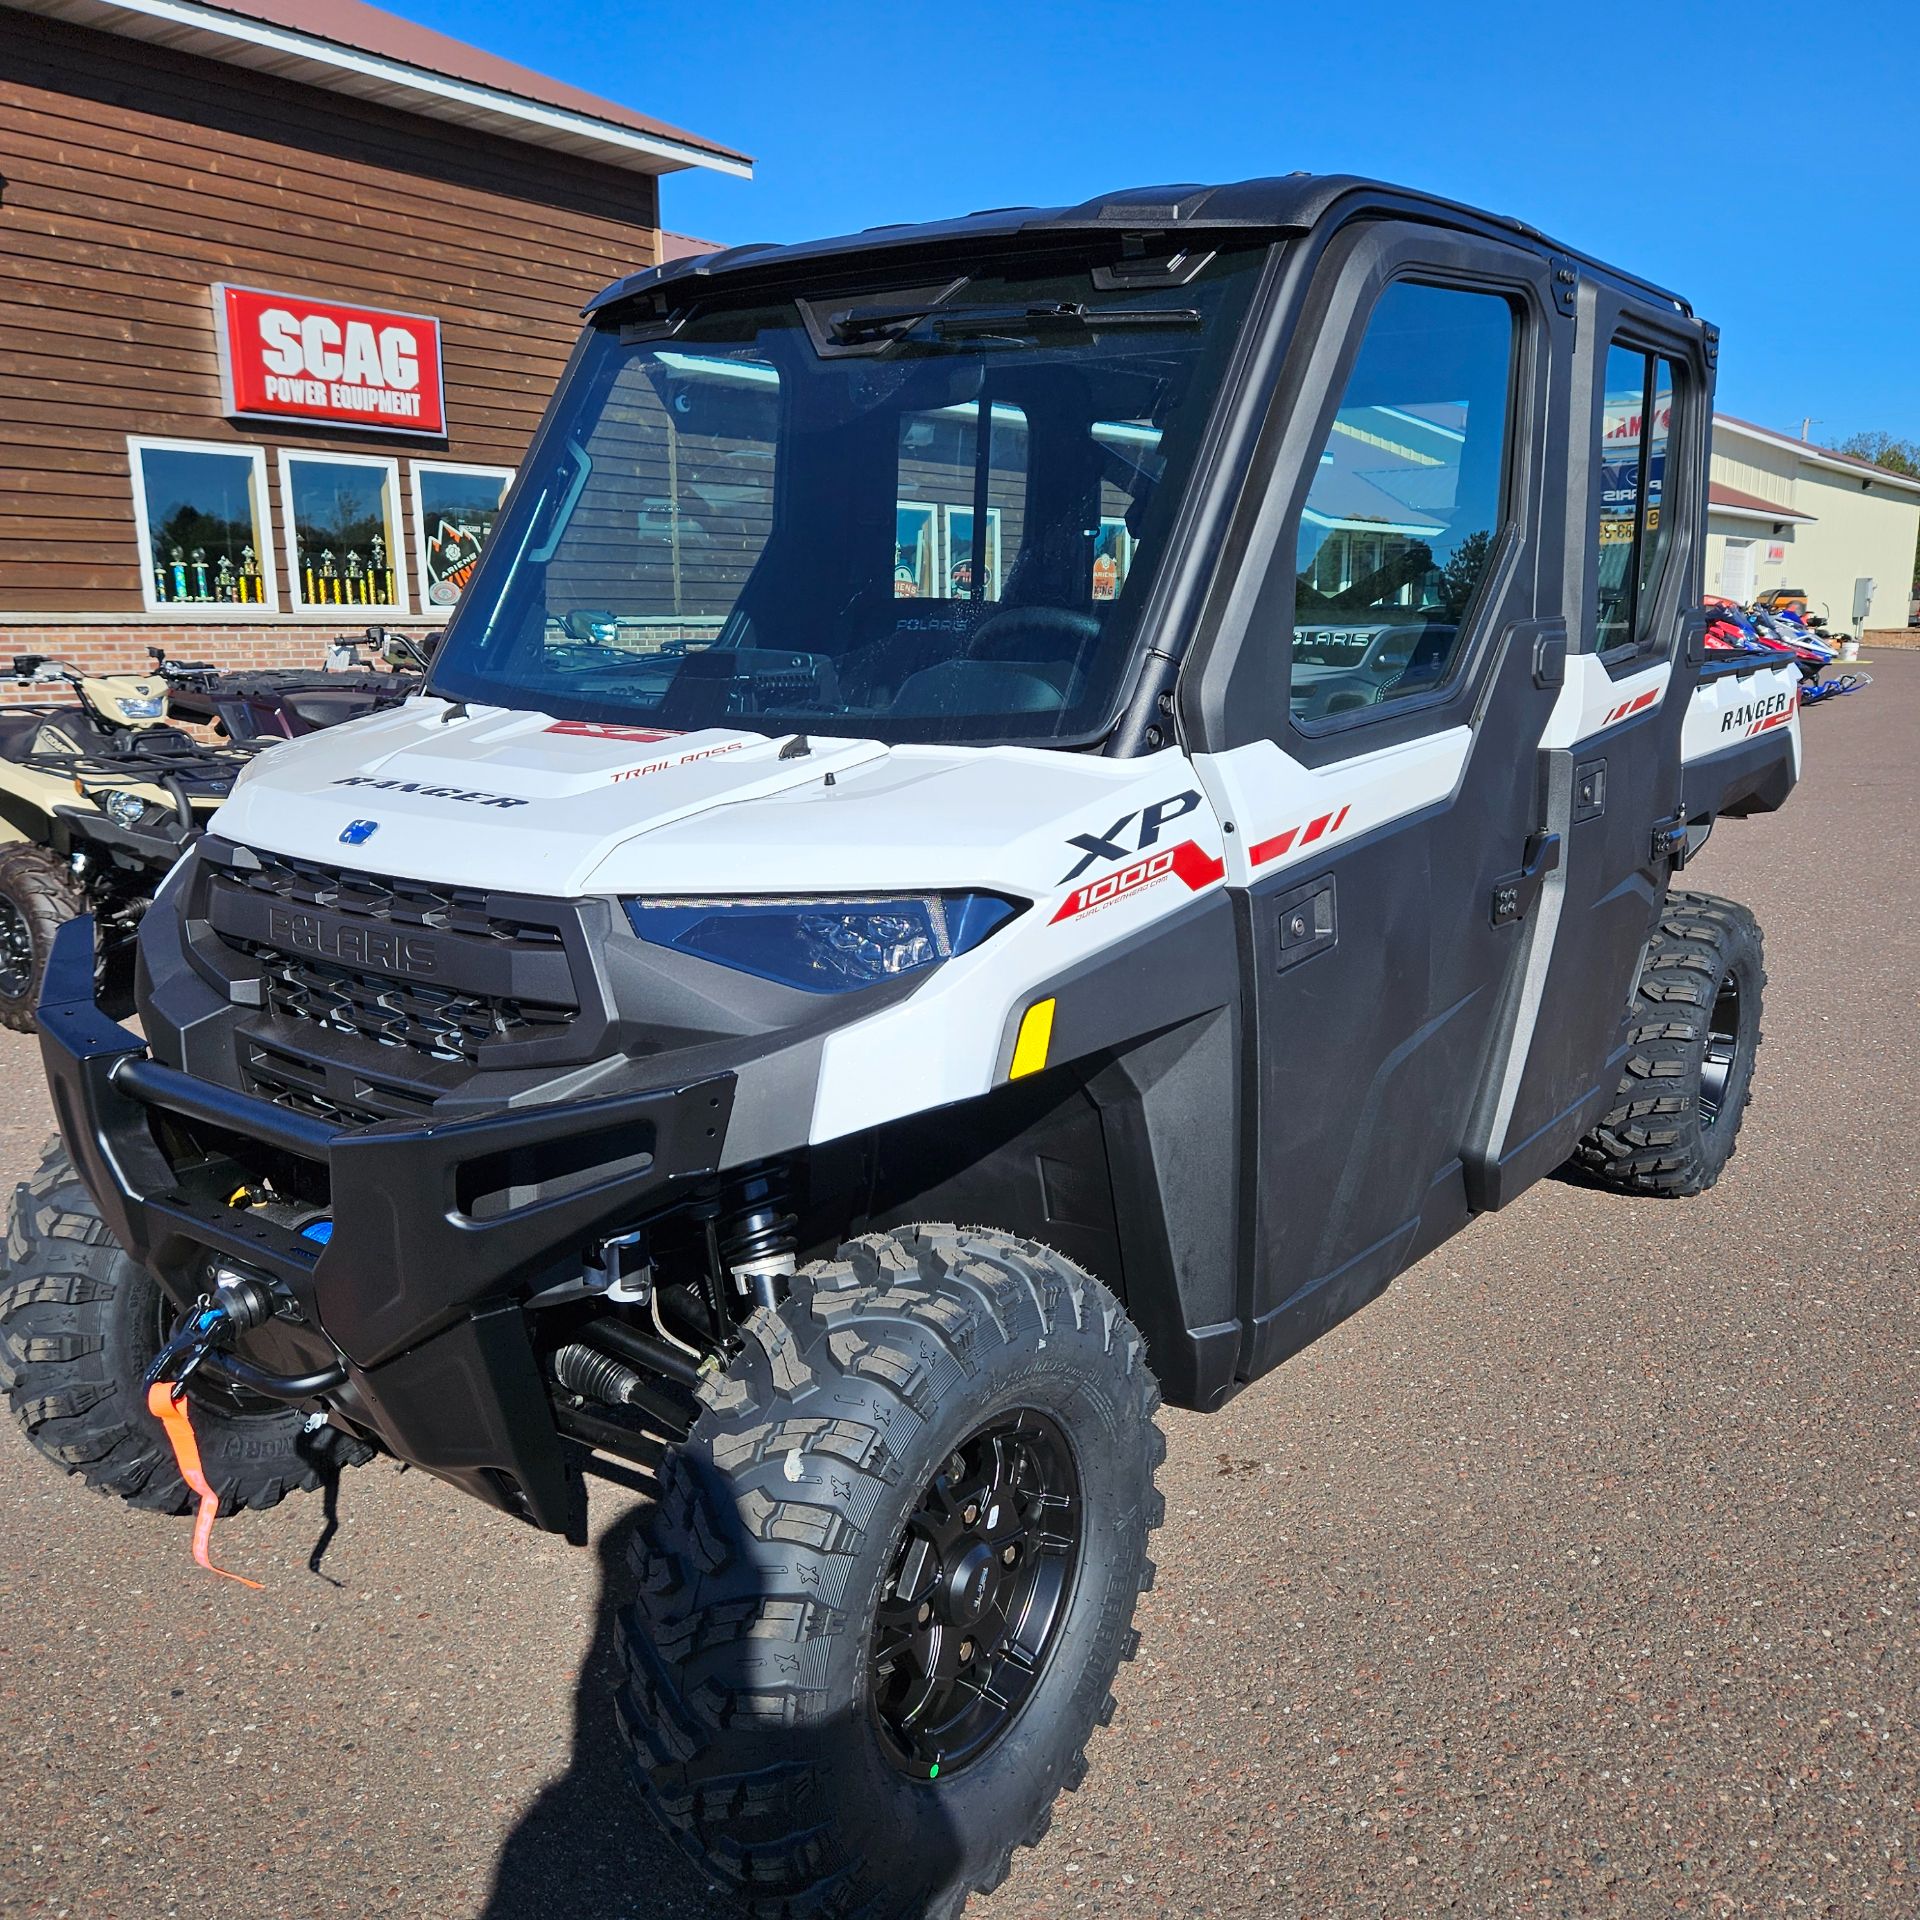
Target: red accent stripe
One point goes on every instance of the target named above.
(1264, 850)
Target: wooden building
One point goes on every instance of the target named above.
(284, 285)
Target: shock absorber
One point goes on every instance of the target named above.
(754, 1239)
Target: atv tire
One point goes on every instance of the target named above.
(80, 1322)
(935, 1457)
(38, 896)
(1695, 1028)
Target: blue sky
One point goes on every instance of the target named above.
(1757, 157)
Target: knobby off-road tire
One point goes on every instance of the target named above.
(777, 1568)
(38, 896)
(1695, 1029)
(80, 1321)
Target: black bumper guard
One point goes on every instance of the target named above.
(440, 1228)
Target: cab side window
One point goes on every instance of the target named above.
(1633, 534)
(1407, 501)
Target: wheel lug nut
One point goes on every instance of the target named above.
(925, 1614)
(966, 1651)
(971, 1514)
(1008, 1555)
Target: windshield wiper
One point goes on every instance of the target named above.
(1057, 316)
(878, 323)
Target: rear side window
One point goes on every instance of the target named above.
(1406, 502)
(1633, 534)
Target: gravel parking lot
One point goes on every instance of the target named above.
(1576, 1576)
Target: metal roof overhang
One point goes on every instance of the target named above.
(237, 40)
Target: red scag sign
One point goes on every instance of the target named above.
(284, 356)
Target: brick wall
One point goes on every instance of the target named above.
(102, 649)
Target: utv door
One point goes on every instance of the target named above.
(1611, 767)
(1369, 710)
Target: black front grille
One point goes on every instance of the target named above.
(306, 1087)
(449, 977)
(439, 1022)
(405, 903)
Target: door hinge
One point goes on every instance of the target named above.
(1565, 276)
(1670, 841)
(1514, 896)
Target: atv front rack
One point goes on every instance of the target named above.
(152, 757)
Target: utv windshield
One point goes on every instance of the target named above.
(926, 514)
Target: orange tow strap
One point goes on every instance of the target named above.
(172, 1415)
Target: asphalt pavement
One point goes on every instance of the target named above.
(1576, 1576)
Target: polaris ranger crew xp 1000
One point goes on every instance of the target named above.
(1159, 731)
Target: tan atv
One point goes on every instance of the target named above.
(98, 799)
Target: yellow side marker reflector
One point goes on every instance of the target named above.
(1036, 1034)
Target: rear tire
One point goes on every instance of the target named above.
(1695, 1029)
(80, 1322)
(782, 1659)
(38, 896)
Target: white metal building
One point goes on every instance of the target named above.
(1784, 513)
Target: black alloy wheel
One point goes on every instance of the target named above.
(1722, 1048)
(971, 1611)
(16, 951)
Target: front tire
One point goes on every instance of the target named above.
(925, 1487)
(38, 896)
(80, 1322)
(1695, 1029)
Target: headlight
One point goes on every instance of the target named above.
(824, 946)
(124, 809)
(142, 707)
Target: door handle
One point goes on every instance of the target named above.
(1514, 896)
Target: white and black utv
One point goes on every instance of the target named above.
(870, 784)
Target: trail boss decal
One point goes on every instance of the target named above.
(1189, 861)
(468, 794)
(678, 760)
(1759, 716)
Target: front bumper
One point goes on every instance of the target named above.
(441, 1228)
(151, 848)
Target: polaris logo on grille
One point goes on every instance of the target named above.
(384, 949)
(426, 792)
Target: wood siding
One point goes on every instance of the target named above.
(132, 179)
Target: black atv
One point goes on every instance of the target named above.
(263, 704)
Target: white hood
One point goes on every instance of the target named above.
(496, 798)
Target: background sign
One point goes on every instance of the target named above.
(286, 356)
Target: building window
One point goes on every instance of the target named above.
(342, 515)
(200, 513)
(454, 509)
(963, 552)
(916, 561)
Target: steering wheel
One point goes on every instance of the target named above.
(1009, 634)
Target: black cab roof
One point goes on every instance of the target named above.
(1282, 203)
